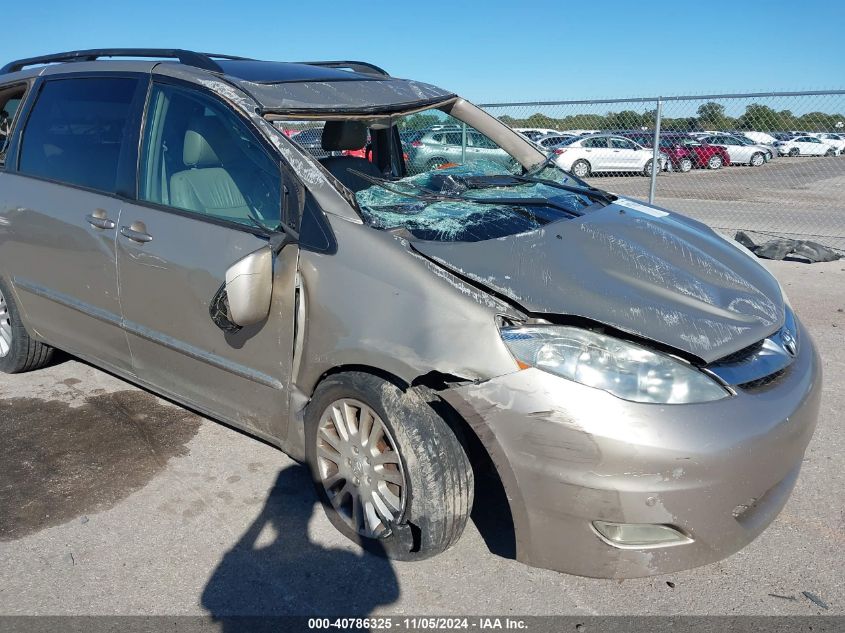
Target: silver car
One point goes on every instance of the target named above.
(639, 384)
(740, 150)
(444, 146)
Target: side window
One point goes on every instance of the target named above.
(75, 131)
(479, 140)
(452, 138)
(595, 142)
(200, 156)
(621, 143)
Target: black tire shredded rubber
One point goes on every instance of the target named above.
(438, 474)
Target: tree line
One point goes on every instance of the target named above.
(709, 116)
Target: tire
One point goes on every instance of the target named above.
(19, 352)
(649, 167)
(757, 159)
(794, 152)
(581, 168)
(425, 482)
(437, 163)
(830, 152)
(715, 162)
(684, 165)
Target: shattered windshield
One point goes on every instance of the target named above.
(467, 203)
(460, 186)
(431, 176)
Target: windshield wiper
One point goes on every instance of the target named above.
(430, 195)
(591, 192)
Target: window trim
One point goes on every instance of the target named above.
(285, 172)
(127, 150)
(16, 119)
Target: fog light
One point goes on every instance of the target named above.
(639, 535)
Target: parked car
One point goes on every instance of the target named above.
(311, 139)
(758, 137)
(639, 384)
(805, 146)
(739, 152)
(599, 153)
(836, 141)
(552, 140)
(533, 133)
(435, 149)
(771, 150)
(684, 151)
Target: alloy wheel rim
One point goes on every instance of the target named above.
(5, 327)
(580, 170)
(715, 161)
(360, 468)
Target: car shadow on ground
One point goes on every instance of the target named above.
(275, 569)
(491, 515)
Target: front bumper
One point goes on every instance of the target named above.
(567, 455)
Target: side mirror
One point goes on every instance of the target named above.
(249, 288)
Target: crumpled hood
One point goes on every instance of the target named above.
(668, 279)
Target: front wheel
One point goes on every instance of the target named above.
(795, 152)
(684, 165)
(830, 152)
(714, 162)
(390, 472)
(649, 167)
(757, 159)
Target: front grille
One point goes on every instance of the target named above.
(742, 354)
(765, 381)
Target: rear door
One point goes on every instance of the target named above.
(816, 147)
(598, 153)
(60, 202)
(208, 190)
(627, 155)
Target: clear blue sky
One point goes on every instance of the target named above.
(487, 50)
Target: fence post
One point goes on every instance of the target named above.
(655, 162)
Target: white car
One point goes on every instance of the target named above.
(552, 140)
(836, 141)
(754, 155)
(585, 155)
(533, 133)
(805, 146)
(760, 137)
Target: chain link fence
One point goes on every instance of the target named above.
(770, 164)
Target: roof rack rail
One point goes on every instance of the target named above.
(358, 67)
(189, 58)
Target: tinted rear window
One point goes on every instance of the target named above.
(75, 131)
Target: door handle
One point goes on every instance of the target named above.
(98, 220)
(137, 232)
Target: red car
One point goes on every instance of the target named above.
(684, 151)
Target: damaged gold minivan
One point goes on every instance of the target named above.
(408, 291)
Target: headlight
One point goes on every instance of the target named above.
(626, 370)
